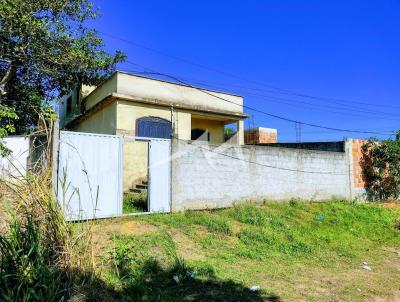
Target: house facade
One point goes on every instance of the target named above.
(135, 106)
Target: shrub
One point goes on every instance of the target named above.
(381, 168)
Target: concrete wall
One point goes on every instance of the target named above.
(16, 163)
(203, 179)
(318, 146)
(103, 121)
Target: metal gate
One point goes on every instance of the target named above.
(90, 175)
(159, 175)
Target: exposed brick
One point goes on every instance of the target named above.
(260, 136)
(357, 160)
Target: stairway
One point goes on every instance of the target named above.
(140, 188)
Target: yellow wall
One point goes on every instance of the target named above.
(103, 121)
(128, 112)
(215, 128)
(135, 163)
(136, 152)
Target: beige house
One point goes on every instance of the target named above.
(136, 106)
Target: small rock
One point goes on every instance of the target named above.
(359, 290)
(398, 254)
(254, 288)
(176, 278)
(366, 266)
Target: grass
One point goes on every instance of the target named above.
(42, 257)
(292, 251)
(134, 203)
(295, 250)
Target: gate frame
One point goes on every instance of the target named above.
(149, 139)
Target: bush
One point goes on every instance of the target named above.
(381, 168)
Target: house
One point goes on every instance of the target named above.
(136, 106)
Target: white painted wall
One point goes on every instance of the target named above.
(15, 165)
(203, 179)
(90, 175)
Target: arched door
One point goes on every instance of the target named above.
(152, 126)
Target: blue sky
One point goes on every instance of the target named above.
(332, 63)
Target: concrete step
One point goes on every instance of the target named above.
(137, 190)
(141, 186)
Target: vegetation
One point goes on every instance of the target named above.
(41, 257)
(228, 133)
(310, 250)
(134, 203)
(45, 50)
(381, 168)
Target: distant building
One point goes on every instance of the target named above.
(260, 135)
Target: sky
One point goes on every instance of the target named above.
(329, 63)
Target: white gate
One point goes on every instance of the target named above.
(90, 175)
(159, 175)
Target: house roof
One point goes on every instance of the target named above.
(179, 84)
(146, 90)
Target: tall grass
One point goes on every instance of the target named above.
(42, 257)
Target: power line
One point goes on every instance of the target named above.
(276, 89)
(325, 108)
(339, 107)
(153, 72)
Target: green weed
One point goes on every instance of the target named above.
(134, 203)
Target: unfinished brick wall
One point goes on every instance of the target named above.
(260, 136)
(357, 160)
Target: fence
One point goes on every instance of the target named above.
(215, 176)
(90, 169)
(90, 174)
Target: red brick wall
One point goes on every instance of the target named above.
(357, 167)
(259, 136)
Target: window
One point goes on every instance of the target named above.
(200, 135)
(69, 104)
(152, 126)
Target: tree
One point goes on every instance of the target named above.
(381, 168)
(46, 50)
